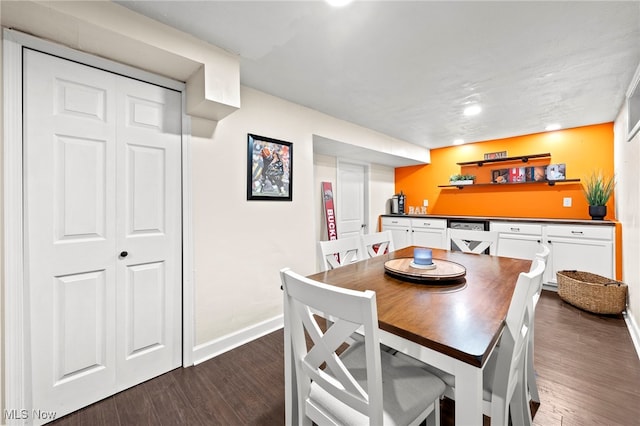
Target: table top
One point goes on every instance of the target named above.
(461, 319)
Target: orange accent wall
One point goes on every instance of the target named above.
(582, 149)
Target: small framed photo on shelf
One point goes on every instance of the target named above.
(556, 171)
(536, 173)
(269, 169)
(517, 174)
(500, 175)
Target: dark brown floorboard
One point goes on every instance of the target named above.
(588, 374)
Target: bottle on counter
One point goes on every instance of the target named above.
(401, 200)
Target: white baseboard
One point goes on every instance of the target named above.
(634, 330)
(224, 344)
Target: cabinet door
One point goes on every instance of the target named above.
(519, 240)
(400, 235)
(579, 254)
(426, 237)
(518, 246)
(400, 228)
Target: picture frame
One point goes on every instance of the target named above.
(269, 169)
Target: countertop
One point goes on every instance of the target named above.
(509, 219)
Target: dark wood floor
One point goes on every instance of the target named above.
(588, 374)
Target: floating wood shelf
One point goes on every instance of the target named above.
(540, 182)
(523, 158)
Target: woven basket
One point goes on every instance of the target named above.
(592, 292)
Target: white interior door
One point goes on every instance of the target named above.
(102, 177)
(351, 199)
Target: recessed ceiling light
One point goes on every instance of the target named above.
(552, 127)
(472, 110)
(338, 3)
(458, 142)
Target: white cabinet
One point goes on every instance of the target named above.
(577, 247)
(429, 233)
(408, 231)
(516, 239)
(400, 228)
(588, 248)
(582, 247)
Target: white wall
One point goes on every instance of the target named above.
(240, 245)
(626, 159)
(381, 187)
(1, 246)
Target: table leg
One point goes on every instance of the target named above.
(468, 394)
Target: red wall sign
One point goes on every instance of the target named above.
(329, 211)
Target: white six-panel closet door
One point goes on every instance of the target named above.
(102, 231)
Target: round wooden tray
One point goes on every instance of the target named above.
(445, 270)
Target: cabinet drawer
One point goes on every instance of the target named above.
(396, 221)
(429, 223)
(577, 231)
(516, 228)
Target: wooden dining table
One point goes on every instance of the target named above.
(452, 325)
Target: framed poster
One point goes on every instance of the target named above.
(269, 169)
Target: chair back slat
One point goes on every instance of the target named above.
(340, 252)
(378, 243)
(464, 239)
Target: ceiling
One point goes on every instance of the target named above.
(408, 68)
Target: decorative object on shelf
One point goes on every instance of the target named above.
(500, 176)
(536, 174)
(516, 174)
(542, 182)
(269, 169)
(495, 155)
(557, 171)
(597, 190)
(462, 179)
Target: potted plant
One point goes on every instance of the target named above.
(460, 179)
(597, 190)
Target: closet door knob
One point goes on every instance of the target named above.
(124, 254)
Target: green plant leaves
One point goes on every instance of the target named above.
(598, 188)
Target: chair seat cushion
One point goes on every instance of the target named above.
(487, 373)
(407, 389)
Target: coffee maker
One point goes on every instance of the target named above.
(397, 203)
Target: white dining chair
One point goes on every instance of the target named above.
(359, 385)
(532, 382)
(340, 252)
(378, 243)
(504, 375)
(471, 241)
